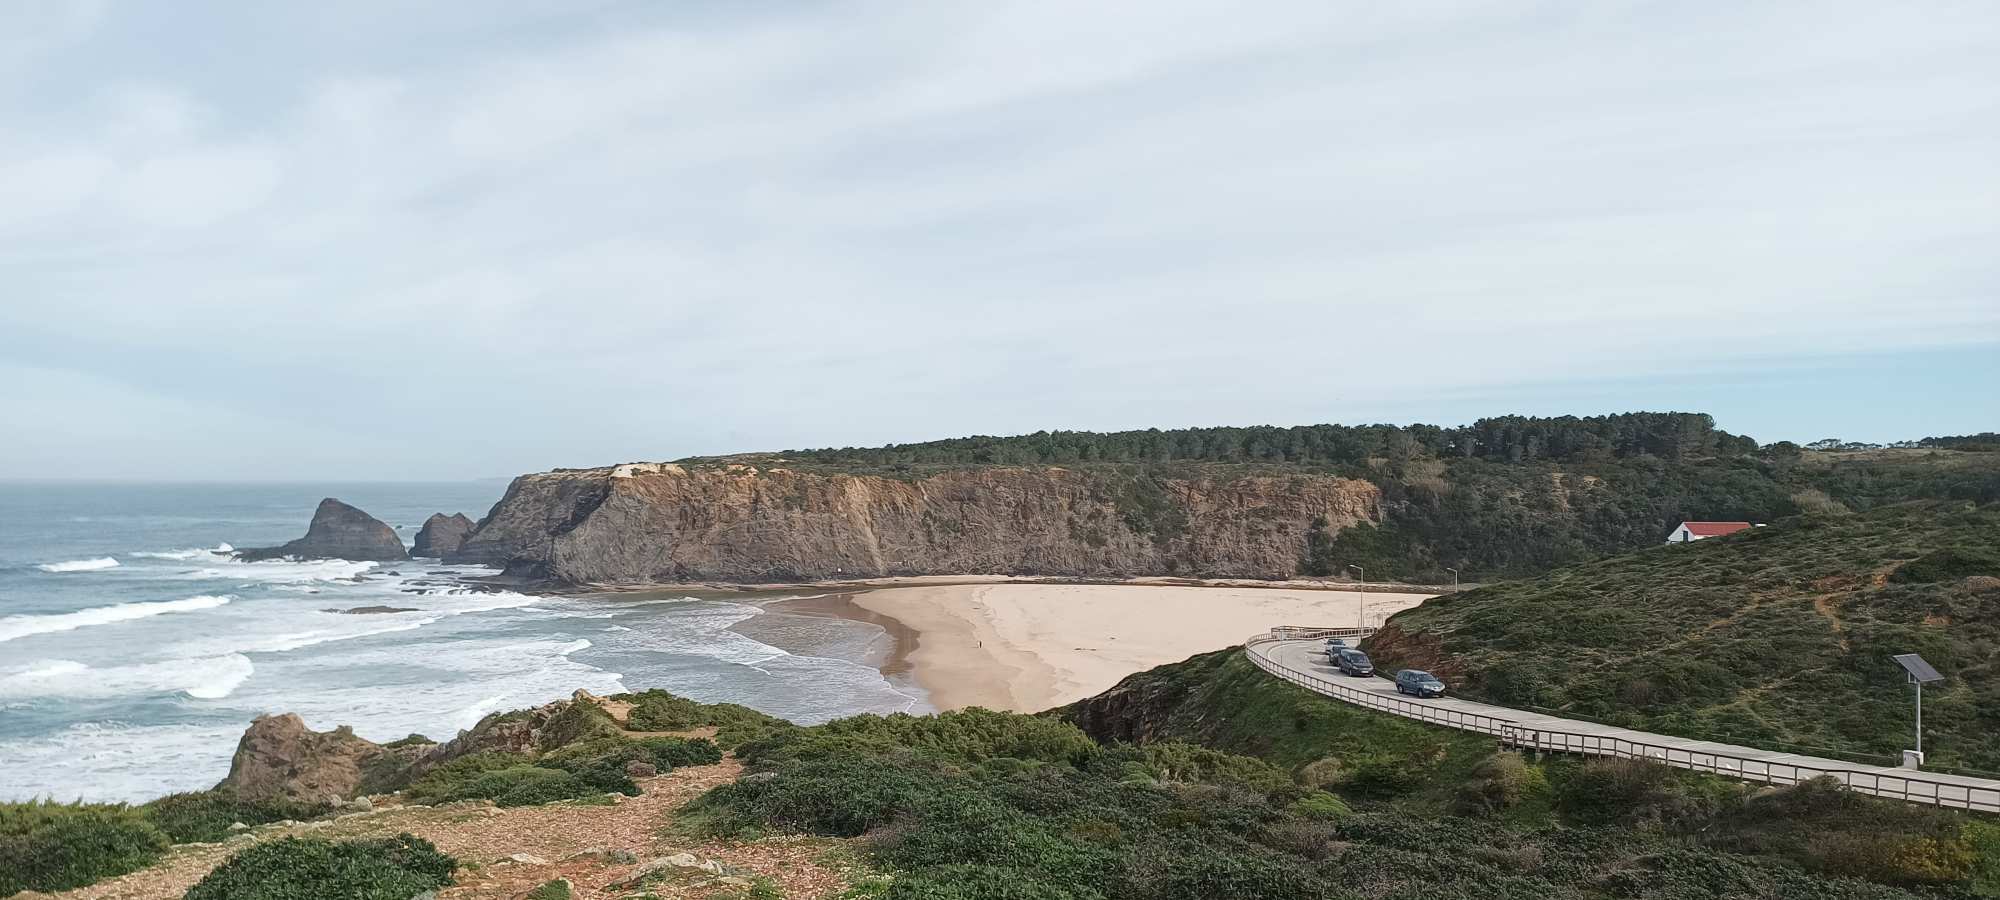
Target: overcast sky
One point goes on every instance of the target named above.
(392, 240)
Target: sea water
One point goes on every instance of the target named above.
(134, 648)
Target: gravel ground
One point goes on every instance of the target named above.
(483, 838)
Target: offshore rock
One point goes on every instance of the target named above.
(441, 535)
(338, 531)
(654, 522)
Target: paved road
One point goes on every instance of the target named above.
(1304, 662)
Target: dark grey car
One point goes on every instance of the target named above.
(1354, 662)
(1419, 683)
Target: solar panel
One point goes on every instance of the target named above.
(1920, 671)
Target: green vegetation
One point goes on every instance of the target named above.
(1779, 636)
(56, 846)
(558, 889)
(1503, 497)
(658, 710)
(205, 816)
(978, 805)
(291, 868)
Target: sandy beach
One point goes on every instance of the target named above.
(1029, 647)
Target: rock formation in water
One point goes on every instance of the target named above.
(338, 531)
(441, 535)
(649, 522)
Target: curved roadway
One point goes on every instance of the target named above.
(1304, 662)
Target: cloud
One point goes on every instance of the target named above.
(641, 233)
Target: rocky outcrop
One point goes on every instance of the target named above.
(338, 531)
(441, 535)
(279, 757)
(649, 522)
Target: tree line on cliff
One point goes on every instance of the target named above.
(1506, 496)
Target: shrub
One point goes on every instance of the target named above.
(445, 781)
(1603, 791)
(527, 786)
(657, 710)
(579, 721)
(1499, 782)
(1322, 772)
(558, 889)
(1321, 805)
(969, 882)
(56, 846)
(1949, 564)
(291, 868)
(205, 816)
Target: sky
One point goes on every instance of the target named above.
(375, 240)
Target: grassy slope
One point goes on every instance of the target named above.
(1779, 635)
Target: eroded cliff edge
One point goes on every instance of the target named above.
(656, 522)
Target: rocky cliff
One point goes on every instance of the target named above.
(338, 531)
(441, 535)
(647, 522)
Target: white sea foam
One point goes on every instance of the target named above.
(281, 571)
(13, 627)
(196, 553)
(205, 679)
(116, 761)
(80, 565)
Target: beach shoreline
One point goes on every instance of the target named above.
(1031, 646)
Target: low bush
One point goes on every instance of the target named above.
(205, 816)
(1500, 782)
(657, 710)
(56, 846)
(444, 782)
(291, 868)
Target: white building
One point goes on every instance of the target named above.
(1694, 531)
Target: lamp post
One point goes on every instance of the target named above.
(1362, 596)
(1454, 578)
(1921, 673)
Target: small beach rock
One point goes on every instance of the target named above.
(527, 859)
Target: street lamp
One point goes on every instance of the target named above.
(1454, 578)
(1363, 595)
(1921, 674)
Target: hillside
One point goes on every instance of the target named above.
(1201, 780)
(1503, 497)
(1780, 635)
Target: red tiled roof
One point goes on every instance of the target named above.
(1714, 529)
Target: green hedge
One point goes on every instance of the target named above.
(291, 868)
(56, 846)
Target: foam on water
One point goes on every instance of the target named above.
(13, 627)
(80, 565)
(211, 678)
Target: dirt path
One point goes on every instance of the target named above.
(483, 838)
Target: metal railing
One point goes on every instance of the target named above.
(1907, 785)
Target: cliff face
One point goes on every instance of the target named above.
(661, 522)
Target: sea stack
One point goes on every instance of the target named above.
(338, 531)
(441, 535)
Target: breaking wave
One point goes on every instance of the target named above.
(211, 678)
(80, 565)
(13, 627)
(197, 553)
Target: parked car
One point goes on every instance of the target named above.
(1418, 683)
(1333, 648)
(1353, 662)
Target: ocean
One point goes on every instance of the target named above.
(134, 650)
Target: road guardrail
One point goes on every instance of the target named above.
(1908, 785)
